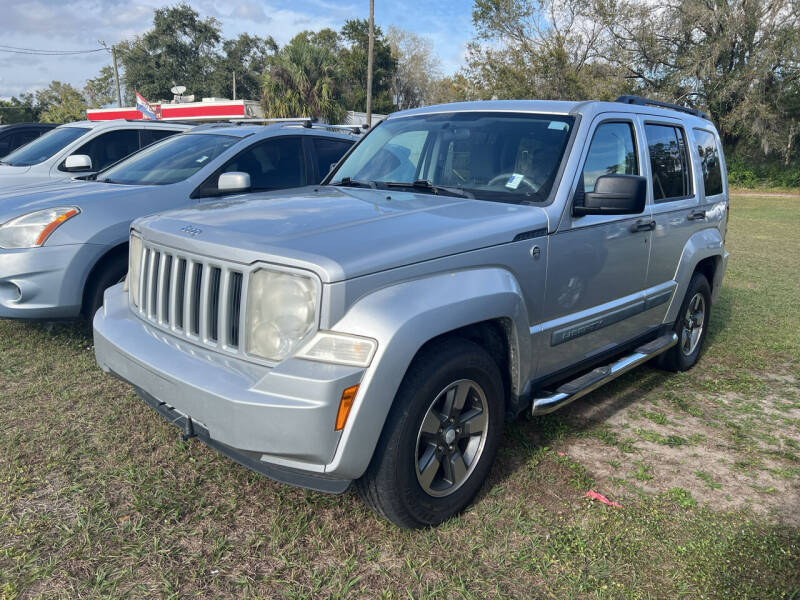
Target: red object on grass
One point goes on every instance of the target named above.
(595, 496)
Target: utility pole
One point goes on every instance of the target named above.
(234, 85)
(113, 51)
(116, 76)
(369, 60)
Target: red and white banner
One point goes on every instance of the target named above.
(189, 111)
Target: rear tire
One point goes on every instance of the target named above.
(691, 327)
(433, 456)
(111, 273)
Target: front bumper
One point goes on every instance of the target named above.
(278, 421)
(43, 283)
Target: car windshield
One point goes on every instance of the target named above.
(498, 156)
(169, 161)
(44, 147)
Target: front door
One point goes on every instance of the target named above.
(597, 264)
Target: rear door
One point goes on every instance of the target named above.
(326, 152)
(107, 148)
(597, 264)
(275, 163)
(675, 206)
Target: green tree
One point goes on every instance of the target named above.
(739, 59)
(61, 103)
(549, 49)
(19, 110)
(301, 81)
(247, 57)
(101, 91)
(353, 67)
(417, 73)
(180, 49)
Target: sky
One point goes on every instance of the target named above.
(79, 24)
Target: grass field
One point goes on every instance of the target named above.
(99, 498)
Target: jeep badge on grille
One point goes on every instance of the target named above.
(193, 231)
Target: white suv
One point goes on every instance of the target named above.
(79, 149)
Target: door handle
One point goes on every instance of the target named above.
(642, 225)
(696, 215)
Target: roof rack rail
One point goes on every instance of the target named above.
(638, 100)
(306, 122)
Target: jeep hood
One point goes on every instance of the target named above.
(342, 232)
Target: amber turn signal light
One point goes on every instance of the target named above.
(345, 404)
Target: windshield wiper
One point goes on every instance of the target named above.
(424, 184)
(347, 182)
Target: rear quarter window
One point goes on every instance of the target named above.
(710, 161)
(669, 162)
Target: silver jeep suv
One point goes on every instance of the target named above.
(462, 264)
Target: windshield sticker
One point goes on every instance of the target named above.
(558, 125)
(514, 181)
(202, 159)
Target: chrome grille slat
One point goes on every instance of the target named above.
(203, 324)
(180, 293)
(188, 319)
(152, 266)
(195, 298)
(161, 287)
(223, 304)
(235, 300)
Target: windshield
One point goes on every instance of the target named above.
(169, 161)
(44, 147)
(505, 157)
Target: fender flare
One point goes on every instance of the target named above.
(701, 245)
(402, 318)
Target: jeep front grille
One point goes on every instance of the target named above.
(192, 296)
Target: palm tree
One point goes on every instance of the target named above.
(301, 81)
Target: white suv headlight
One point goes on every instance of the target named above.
(134, 268)
(281, 312)
(33, 229)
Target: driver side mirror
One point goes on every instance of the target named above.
(614, 195)
(78, 162)
(235, 181)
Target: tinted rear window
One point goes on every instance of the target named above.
(669, 161)
(710, 161)
(40, 149)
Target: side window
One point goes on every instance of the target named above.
(153, 135)
(273, 164)
(5, 145)
(328, 152)
(612, 151)
(396, 160)
(669, 162)
(108, 148)
(709, 161)
(23, 137)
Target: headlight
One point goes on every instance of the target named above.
(134, 268)
(281, 312)
(340, 349)
(33, 229)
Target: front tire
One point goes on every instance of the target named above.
(111, 273)
(691, 327)
(440, 438)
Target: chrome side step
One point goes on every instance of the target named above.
(572, 390)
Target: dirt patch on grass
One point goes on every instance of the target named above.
(726, 451)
